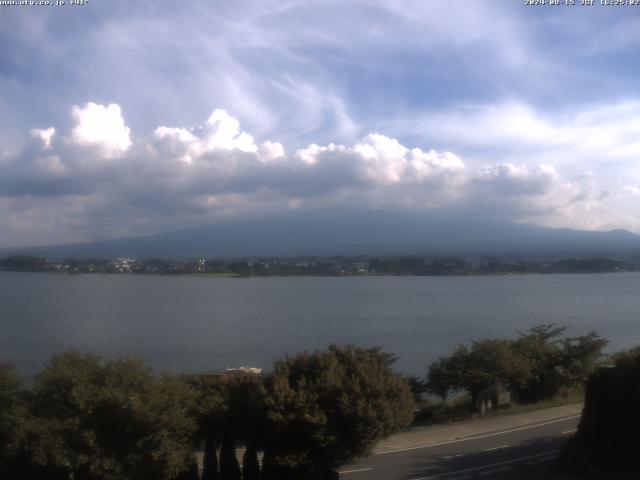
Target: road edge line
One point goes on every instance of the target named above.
(486, 435)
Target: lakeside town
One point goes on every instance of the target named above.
(323, 266)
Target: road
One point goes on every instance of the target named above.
(524, 452)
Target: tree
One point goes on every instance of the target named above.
(13, 424)
(446, 374)
(229, 410)
(229, 466)
(580, 357)
(243, 416)
(23, 263)
(417, 387)
(493, 366)
(555, 362)
(10, 400)
(245, 420)
(543, 351)
(327, 408)
(208, 412)
(534, 366)
(250, 464)
(109, 420)
(191, 473)
(483, 370)
(210, 460)
(626, 356)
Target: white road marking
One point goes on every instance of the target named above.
(495, 448)
(356, 470)
(467, 439)
(492, 465)
(567, 432)
(455, 456)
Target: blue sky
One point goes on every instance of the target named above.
(125, 118)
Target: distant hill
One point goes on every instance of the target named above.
(352, 234)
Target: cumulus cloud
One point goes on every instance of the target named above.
(469, 116)
(221, 132)
(44, 135)
(101, 126)
(387, 161)
(179, 176)
(582, 138)
(517, 180)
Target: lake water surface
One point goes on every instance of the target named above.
(189, 323)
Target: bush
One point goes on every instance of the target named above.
(327, 408)
(111, 420)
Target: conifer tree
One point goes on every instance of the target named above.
(250, 464)
(210, 461)
(229, 466)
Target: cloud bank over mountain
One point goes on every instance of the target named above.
(126, 118)
(98, 174)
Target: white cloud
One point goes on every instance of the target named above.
(101, 126)
(381, 160)
(174, 142)
(604, 138)
(223, 131)
(179, 134)
(517, 180)
(385, 160)
(632, 191)
(269, 150)
(180, 176)
(45, 135)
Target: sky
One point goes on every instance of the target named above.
(125, 118)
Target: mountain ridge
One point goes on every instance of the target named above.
(351, 234)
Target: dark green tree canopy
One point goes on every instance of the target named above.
(13, 414)
(327, 408)
(111, 420)
(483, 369)
(534, 366)
(627, 357)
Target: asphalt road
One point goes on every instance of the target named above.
(522, 453)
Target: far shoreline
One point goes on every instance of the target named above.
(294, 275)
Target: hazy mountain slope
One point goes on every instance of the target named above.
(349, 234)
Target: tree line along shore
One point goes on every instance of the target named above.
(89, 418)
(324, 266)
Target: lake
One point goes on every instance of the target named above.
(193, 324)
